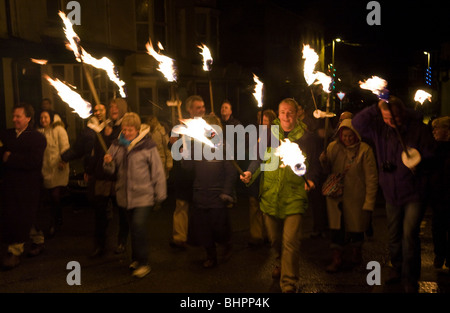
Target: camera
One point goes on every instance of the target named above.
(388, 167)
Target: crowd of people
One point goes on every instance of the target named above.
(127, 164)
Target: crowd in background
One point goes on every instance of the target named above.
(127, 164)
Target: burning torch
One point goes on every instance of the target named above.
(410, 156)
(207, 66)
(167, 68)
(315, 77)
(420, 97)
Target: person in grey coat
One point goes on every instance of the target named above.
(141, 183)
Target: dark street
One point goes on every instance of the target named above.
(174, 271)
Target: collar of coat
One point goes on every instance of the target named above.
(294, 134)
(145, 129)
(95, 125)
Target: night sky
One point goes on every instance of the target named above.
(389, 50)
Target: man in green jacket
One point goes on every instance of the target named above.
(283, 194)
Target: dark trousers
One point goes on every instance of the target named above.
(102, 220)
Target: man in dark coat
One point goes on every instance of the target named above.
(22, 155)
(390, 125)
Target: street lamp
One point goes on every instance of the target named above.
(332, 53)
(429, 55)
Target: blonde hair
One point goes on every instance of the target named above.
(132, 119)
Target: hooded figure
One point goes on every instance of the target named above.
(351, 212)
(360, 182)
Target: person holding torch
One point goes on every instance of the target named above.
(283, 194)
(390, 126)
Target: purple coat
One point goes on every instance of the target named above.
(401, 185)
(22, 183)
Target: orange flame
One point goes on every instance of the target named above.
(73, 99)
(291, 155)
(38, 61)
(82, 56)
(207, 58)
(375, 84)
(421, 96)
(258, 91)
(166, 64)
(312, 76)
(195, 128)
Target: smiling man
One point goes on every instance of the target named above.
(283, 194)
(22, 156)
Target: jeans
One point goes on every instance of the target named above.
(140, 248)
(404, 242)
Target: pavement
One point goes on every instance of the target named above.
(179, 272)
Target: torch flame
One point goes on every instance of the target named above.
(71, 36)
(207, 58)
(195, 128)
(82, 56)
(312, 76)
(258, 91)
(166, 64)
(73, 99)
(291, 155)
(38, 61)
(375, 84)
(421, 96)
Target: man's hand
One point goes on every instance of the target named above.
(107, 158)
(309, 185)
(6, 156)
(246, 177)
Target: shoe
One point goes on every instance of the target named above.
(35, 249)
(336, 261)
(142, 271)
(227, 252)
(97, 253)
(134, 265)
(209, 263)
(438, 261)
(120, 249)
(317, 235)
(356, 255)
(393, 277)
(411, 287)
(276, 272)
(10, 261)
(290, 289)
(52, 231)
(178, 245)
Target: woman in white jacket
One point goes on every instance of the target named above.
(55, 172)
(350, 214)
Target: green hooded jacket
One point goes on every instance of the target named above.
(282, 192)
